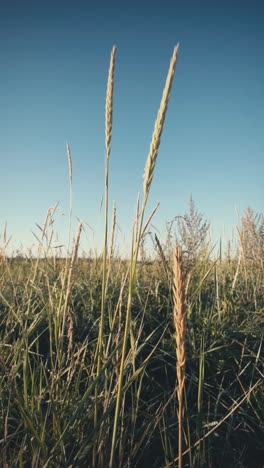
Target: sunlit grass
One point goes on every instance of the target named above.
(136, 362)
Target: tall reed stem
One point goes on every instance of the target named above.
(148, 176)
(108, 135)
(180, 326)
(70, 196)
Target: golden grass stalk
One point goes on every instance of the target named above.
(108, 135)
(70, 201)
(149, 169)
(156, 136)
(180, 327)
(109, 103)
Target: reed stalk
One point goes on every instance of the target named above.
(108, 136)
(180, 327)
(148, 176)
(70, 195)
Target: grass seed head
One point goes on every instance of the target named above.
(109, 102)
(156, 136)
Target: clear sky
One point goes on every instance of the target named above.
(54, 63)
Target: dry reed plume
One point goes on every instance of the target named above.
(155, 142)
(109, 102)
(180, 326)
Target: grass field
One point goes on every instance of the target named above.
(144, 362)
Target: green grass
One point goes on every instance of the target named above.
(48, 396)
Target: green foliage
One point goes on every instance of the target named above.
(47, 394)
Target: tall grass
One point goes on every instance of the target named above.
(180, 327)
(108, 134)
(87, 346)
(138, 233)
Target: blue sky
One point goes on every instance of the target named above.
(54, 65)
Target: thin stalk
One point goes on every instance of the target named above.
(180, 327)
(70, 195)
(148, 176)
(108, 135)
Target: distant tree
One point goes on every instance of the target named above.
(192, 232)
(251, 236)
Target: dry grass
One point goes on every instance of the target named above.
(155, 142)
(109, 102)
(180, 326)
(87, 354)
(137, 239)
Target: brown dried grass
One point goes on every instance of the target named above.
(180, 327)
(109, 102)
(156, 136)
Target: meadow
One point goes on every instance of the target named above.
(151, 361)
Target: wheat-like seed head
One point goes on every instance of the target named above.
(179, 316)
(155, 142)
(109, 102)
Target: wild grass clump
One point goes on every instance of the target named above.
(89, 374)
